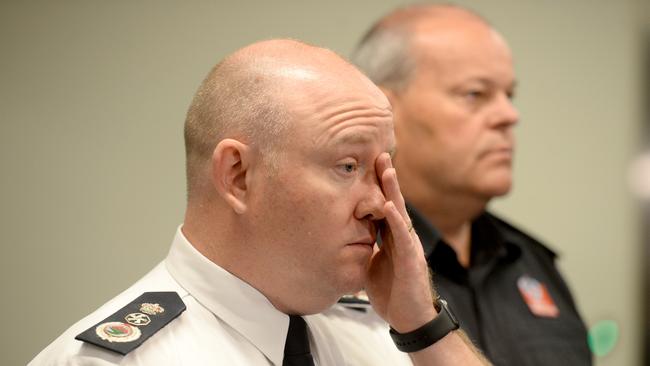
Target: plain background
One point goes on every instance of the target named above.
(92, 101)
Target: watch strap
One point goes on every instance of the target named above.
(429, 333)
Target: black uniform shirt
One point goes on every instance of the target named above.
(489, 304)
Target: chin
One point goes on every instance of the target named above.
(496, 185)
(353, 282)
(499, 190)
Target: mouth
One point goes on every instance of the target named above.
(500, 152)
(360, 250)
(366, 241)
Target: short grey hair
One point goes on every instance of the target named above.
(383, 55)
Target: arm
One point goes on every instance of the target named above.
(399, 286)
(454, 349)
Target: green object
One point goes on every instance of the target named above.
(602, 337)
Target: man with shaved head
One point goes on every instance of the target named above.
(450, 80)
(289, 179)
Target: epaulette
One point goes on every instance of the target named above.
(130, 326)
(358, 301)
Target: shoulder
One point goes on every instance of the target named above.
(67, 350)
(513, 234)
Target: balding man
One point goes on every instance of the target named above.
(289, 179)
(449, 77)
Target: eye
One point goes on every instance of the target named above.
(348, 167)
(473, 95)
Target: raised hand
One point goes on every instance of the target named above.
(399, 286)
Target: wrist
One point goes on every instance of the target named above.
(416, 318)
(413, 320)
(427, 334)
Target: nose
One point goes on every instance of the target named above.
(504, 115)
(371, 205)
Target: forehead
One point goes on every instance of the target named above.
(338, 115)
(455, 51)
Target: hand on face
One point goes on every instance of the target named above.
(398, 284)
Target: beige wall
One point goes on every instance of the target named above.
(578, 68)
(93, 95)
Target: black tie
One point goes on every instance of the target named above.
(296, 349)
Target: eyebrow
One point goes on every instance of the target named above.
(360, 139)
(491, 83)
(353, 139)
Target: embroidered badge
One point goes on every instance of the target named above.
(537, 297)
(138, 319)
(117, 332)
(151, 309)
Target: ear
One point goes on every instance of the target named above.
(230, 163)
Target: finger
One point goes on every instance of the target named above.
(387, 177)
(402, 242)
(390, 186)
(381, 164)
(386, 235)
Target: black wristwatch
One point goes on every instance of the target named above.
(429, 333)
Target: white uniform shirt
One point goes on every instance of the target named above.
(362, 337)
(227, 322)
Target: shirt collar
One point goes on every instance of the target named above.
(491, 241)
(488, 243)
(232, 300)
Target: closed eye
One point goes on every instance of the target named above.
(473, 95)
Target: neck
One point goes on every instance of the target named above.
(207, 237)
(219, 236)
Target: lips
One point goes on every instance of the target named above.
(370, 241)
(505, 151)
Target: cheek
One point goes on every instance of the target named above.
(305, 208)
(322, 206)
(440, 124)
(460, 135)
